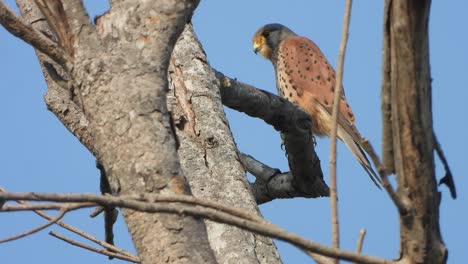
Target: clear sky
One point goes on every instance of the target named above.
(38, 154)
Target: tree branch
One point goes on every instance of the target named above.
(271, 183)
(57, 20)
(131, 258)
(287, 118)
(62, 213)
(448, 178)
(386, 106)
(59, 95)
(21, 29)
(251, 223)
(360, 241)
(75, 230)
(334, 128)
(397, 201)
(407, 35)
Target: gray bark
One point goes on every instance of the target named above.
(128, 129)
(208, 153)
(58, 97)
(122, 77)
(122, 88)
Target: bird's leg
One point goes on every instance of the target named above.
(282, 135)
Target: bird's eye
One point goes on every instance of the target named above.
(266, 34)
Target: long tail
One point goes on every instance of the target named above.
(359, 154)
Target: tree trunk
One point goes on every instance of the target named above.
(208, 153)
(120, 74)
(408, 117)
(114, 102)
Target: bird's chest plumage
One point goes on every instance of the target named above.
(292, 89)
(284, 83)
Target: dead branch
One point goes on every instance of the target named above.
(131, 258)
(448, 178)
(406, 31)
(287, 118)
(271, 183)
(250, 223)
(54, 13)
(36, 229)
(397, 201)
(360, 240)
(334, 128)
(21, 29)
(77, 231)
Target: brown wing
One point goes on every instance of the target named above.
(305, 77)
(309, 73)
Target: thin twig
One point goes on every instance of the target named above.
(360, 241)
(97, 211)
(44, 206)
(131, 258)
(401, 207)
(21, 29)
(71, 228)
(334, 129)
(198, 210)
(78, 231)
(36, 229)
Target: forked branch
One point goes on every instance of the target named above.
(21, 29)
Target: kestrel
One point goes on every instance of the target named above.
(305, 78)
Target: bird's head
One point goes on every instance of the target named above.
(267, 38)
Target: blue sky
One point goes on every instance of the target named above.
(38, 154)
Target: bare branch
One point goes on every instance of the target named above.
(36, 229)
(360, 241)
(386, 106)
(334, 129)
(319, 258)
(131, 258)
(176, 206)
(407, 34)
(77, 231)
(70, 22)
(21, 29)
(448, 178)
(400, 205)
(287, 118)
(56, 18)
(96, 211)
(58, 100)
(271, 183)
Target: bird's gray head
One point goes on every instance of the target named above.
(267, 38)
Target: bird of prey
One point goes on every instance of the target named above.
(305, 78)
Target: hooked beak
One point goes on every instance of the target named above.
(256, 48)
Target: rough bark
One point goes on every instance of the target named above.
(123, 82)
(208, 153)
(58, 97)
(123, 94)
(411, 127)
(387, 144)
(66, 105)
